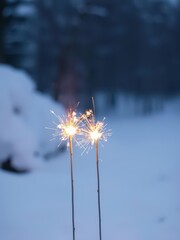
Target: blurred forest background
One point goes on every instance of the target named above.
(76, 48)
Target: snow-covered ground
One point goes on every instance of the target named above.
(140, 182)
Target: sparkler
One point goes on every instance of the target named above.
(67, 129)
(94, 132)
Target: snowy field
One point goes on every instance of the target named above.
(140, 182)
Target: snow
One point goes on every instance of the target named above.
(24, 114)
(40, 117)
(140, 184)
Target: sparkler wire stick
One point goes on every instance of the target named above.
(98, 188)
(72, 183)
(67, 129)
(94, 132)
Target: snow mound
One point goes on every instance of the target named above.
(40, 117)
(24, 114)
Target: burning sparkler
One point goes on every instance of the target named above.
(94, 132)
(67, 129)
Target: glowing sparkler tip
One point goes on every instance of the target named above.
(67, 126)
(93, 131)
(83, 128)
(95, 135)
(71, 130)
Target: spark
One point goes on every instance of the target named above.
(67, 127)
(93, 131)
